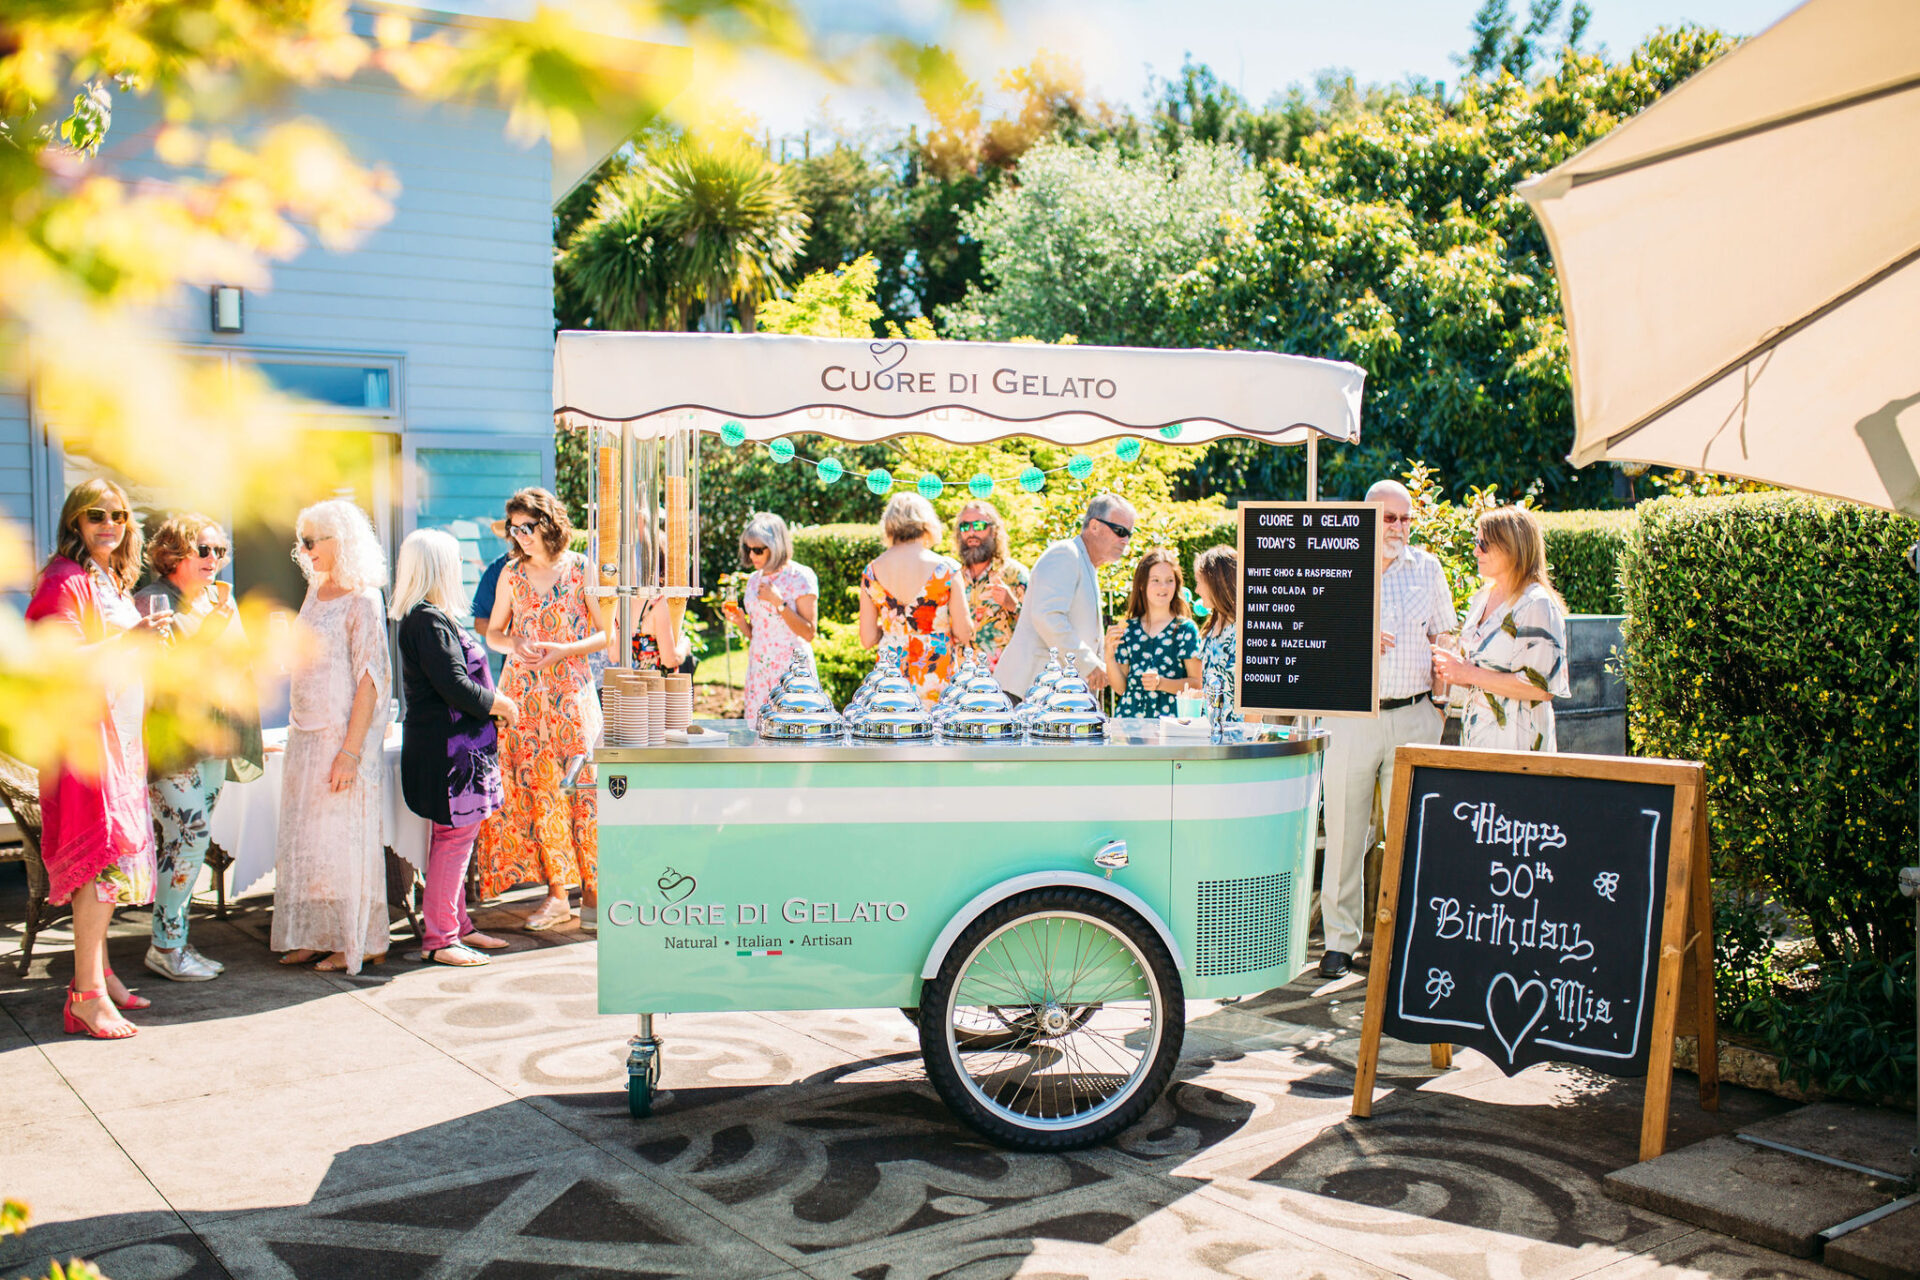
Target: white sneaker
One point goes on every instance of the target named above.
(207, 960)
(178, 966)
(590, 919)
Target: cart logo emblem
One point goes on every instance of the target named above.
(617, 785)
(881, 350)
(675, 887)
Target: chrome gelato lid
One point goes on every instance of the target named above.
(1070, 713)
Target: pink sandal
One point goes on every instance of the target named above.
(132, 1001)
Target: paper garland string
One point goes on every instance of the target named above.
(880, 481)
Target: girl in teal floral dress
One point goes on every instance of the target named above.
(1155, 653)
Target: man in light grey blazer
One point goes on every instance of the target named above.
(1062, 607)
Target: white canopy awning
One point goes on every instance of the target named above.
(962, 392)
(1740, 263)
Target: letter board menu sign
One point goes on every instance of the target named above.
(1308, 632)
(1533, 898)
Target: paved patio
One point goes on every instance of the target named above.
(421, 1121)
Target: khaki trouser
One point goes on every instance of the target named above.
(1359, 756)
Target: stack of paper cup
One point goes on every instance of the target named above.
(679, 701)
(623, 701)
(656, 711)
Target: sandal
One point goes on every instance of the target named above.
(331, 965)
(479, 941)
(302, 956)
(132, 1001)
(550, 914)
(454, 954)
(73, 1024)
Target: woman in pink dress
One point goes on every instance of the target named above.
(97, 831)
(783, 602)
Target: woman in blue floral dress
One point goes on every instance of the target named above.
(1155, 653)
(1216, 571)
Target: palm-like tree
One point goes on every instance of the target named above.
(690, 224)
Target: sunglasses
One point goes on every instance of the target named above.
(100, 515)
(523, 529)
(1390, 518)
(1120, 531)
(975, 526)
(755, 551)
(213, 550)
(309, 543)
(1480, 543)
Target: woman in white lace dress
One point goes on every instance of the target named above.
(330, 881)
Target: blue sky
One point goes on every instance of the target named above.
(1260, 46)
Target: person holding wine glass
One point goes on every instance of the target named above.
(782, 596)
(185, 554)
(96, 836)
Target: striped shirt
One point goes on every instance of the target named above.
(1415, 605)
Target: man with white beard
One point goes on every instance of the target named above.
(1415, 606)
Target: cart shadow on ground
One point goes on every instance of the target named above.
(423, 1120)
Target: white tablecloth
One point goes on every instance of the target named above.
(246, 819)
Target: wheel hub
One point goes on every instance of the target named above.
(1054, 1021)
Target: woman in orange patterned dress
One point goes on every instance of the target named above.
(915, 598)
(546, 624)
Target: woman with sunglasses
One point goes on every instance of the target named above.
(184, 555)
(1513, 657)
(547, 624)
(330, 872)
(96, 834)
(782, 597)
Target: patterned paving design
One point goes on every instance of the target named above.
(446, 1124)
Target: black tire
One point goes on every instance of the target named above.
(1095, 1080)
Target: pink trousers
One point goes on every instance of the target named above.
(445, 906)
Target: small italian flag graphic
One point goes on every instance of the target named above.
(756, 953)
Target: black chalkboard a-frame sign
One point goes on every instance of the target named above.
(1545, 908)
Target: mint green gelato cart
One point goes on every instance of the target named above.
(1045, 910)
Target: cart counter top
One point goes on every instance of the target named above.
(1125, 740)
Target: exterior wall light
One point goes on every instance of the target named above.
(228, 309)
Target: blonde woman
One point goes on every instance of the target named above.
(96, 831)
(450, 758)
(547, 624)
(1513, 642)
(914, 597)
(783, 601)
(185, 555)
(330, 879)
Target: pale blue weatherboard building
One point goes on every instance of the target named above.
(431, 343)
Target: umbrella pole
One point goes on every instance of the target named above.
(1313, 466)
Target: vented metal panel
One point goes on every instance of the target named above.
(1242, 926)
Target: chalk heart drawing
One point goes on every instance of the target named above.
(1513, 1004)
(673, 886)
(881, 350)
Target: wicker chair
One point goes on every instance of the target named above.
(20, 792)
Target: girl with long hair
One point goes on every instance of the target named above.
(1216, 574)
(1155, 653)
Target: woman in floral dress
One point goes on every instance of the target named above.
(915, 598)
(783, 601)
(330, 871)
(546, 623)
(1216, 571)
(1513, 643)
(1155, 653)
(96, 832)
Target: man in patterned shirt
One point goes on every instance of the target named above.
(1415, 605)
(996, 582)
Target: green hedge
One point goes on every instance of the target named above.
(1583, 555)
(1772, 637)
(838, 554)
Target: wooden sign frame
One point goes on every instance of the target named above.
(1240, 614)
(1686, 918)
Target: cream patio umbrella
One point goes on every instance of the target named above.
(1740, 263)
